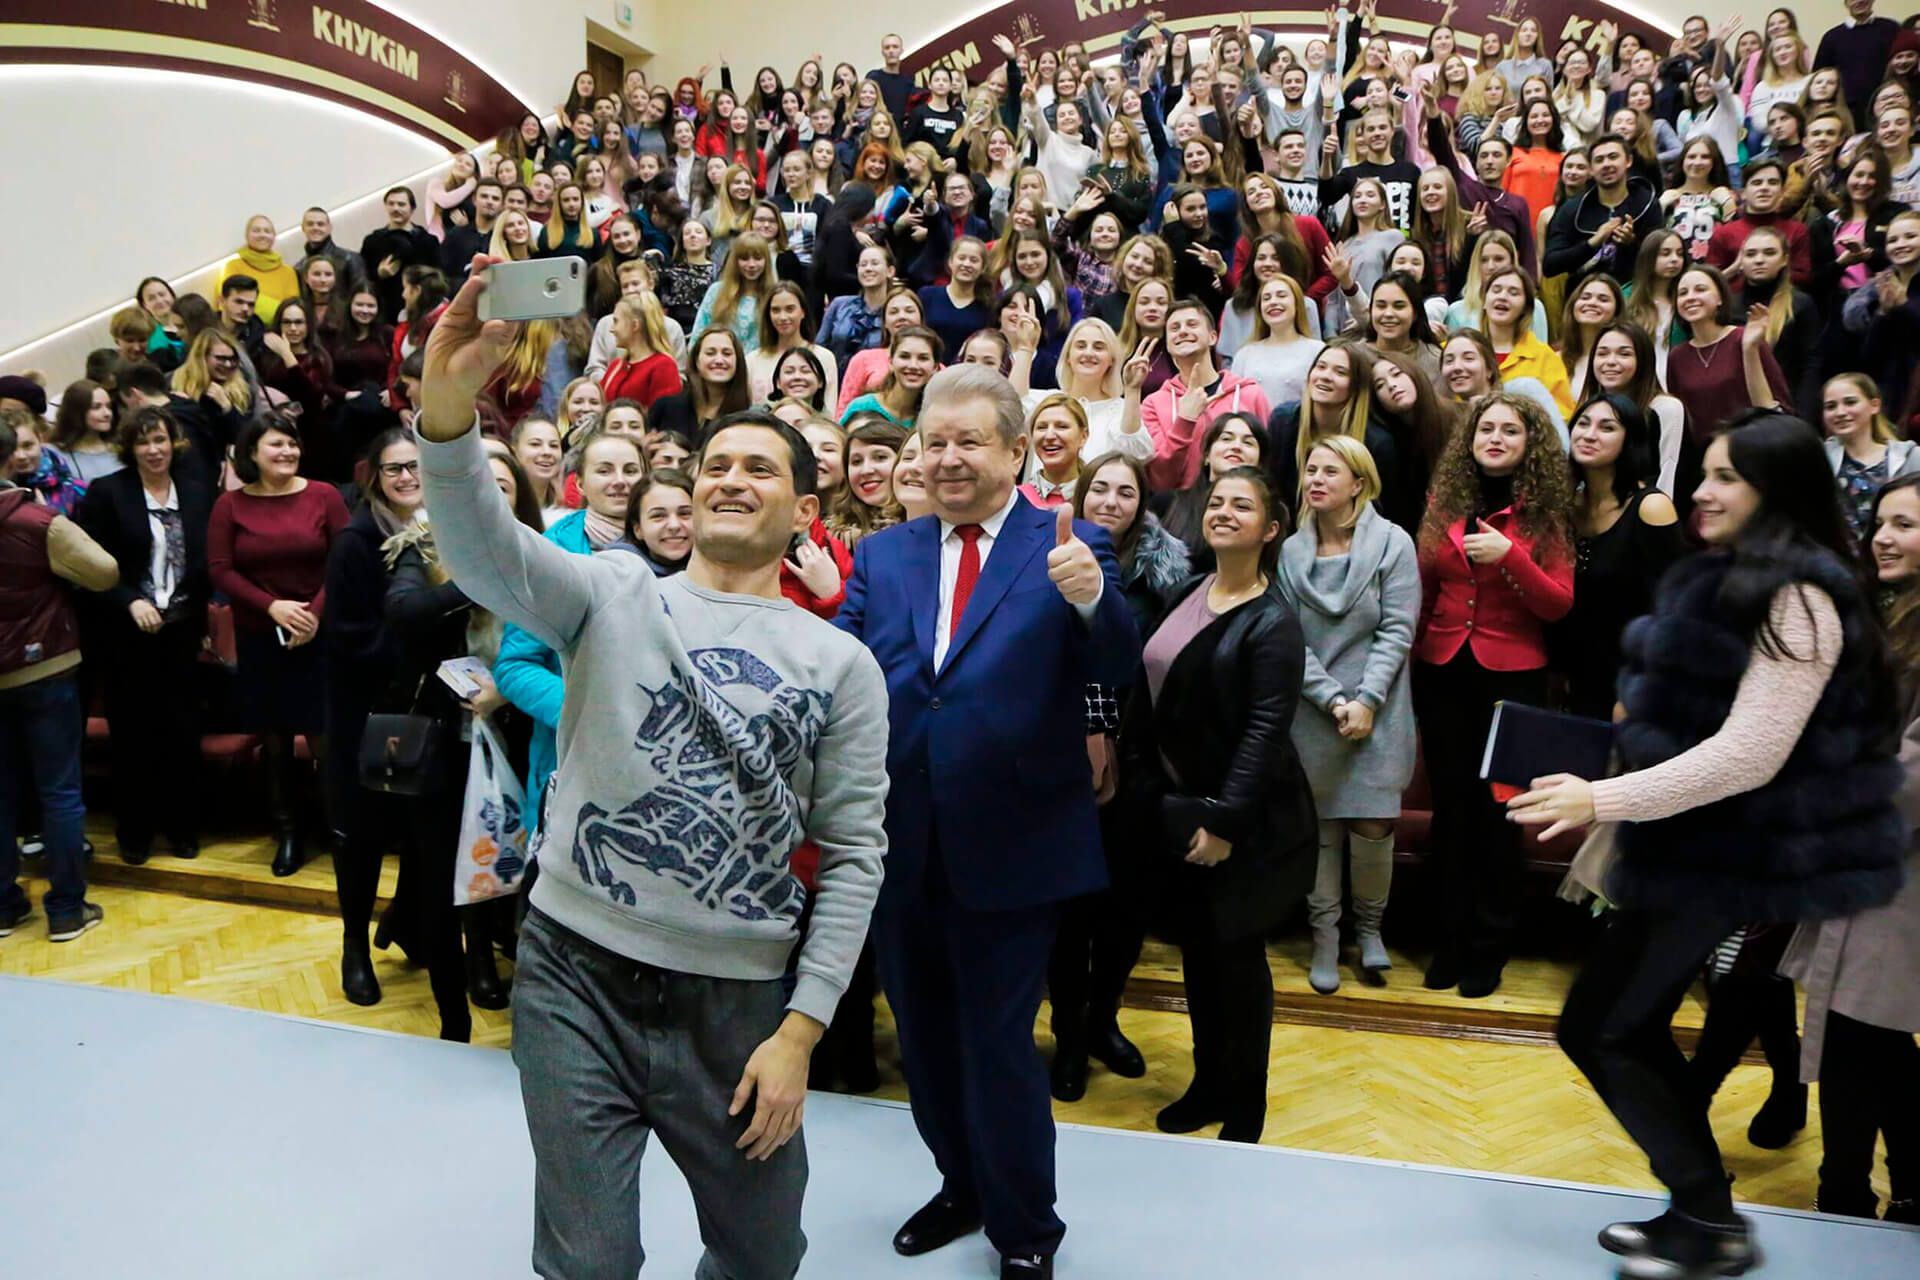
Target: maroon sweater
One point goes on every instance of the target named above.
(264, 549)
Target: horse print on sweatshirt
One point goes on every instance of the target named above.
(721, 822)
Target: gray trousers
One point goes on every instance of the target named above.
(611, 1051)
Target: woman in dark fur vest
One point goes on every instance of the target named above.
(1100, 935)
(1757, 786)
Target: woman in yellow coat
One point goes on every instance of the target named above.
(257, 258)
(1506, 317)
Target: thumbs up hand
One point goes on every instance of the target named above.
(1071, 564)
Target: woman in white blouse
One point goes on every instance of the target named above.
(1089, 370)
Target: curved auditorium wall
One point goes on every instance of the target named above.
(181, 118)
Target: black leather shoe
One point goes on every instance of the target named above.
(287, 856)
(1443, 973)
(357, 979)
(1116, 1053)
(1194, 1110)
(935, 1224)
(1026, 1266)
(1067, 1078)
(484, 985)
(186, 848)
(135, 852)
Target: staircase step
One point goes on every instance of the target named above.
(233, 869)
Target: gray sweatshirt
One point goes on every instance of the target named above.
(704, 737)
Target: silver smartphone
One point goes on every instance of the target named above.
(539, 289)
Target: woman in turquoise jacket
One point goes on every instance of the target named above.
(527, 672)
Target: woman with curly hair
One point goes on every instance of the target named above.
(1496, 533)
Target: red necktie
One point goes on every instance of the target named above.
(969, 573)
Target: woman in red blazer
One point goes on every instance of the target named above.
(1496, 565)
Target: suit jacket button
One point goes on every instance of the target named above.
(935, 704)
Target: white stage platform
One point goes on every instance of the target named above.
(161, 1139)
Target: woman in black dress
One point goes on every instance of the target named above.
(1626, 533)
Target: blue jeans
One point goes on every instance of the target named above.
(40, 735)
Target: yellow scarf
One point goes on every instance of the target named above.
(263, 263)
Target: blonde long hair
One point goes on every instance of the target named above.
(733, 288)
(194, 375)
(526, 361)
(499, 247)
(1353, 417)
(643, 309)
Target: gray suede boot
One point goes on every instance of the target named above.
(1323, 909)
(1372, 878)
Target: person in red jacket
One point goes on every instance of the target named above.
(645, 369)
(1764, 185)
(1496, 565)
(814, 574)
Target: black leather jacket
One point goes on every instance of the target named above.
(1223, 721)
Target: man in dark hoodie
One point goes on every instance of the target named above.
(40, 715)
(1602, 230)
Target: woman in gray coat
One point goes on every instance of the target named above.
(1862, 974)
(1352, 577)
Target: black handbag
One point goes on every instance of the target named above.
(398, 752)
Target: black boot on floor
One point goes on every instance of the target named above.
(1196, 1109)
(1443, 973)
(357, 979)
(135, 852)
(1112, 1050)
(484, 985)
(1480, 976)
(1780, 1117)
(1067, 1077)
(1681, 1247)
(288, 856)
(1905, 1212)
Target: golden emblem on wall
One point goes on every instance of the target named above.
(260, 13)
(456, 91)
(1026, 30)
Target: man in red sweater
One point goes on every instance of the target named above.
(1766, 182)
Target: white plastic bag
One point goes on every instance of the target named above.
(492, 855)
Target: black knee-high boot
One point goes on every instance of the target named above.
(283, 804)
(484, 983)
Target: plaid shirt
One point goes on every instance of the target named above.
(1103, 709)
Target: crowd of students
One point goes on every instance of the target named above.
(1439, 344)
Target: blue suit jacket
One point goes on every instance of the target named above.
(988, 757)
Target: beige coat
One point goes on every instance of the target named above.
(1866, 967)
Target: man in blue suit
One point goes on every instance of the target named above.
(989, 618)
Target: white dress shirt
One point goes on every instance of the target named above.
(158, 571)
(950, 548)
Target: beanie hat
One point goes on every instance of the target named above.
(26, 391)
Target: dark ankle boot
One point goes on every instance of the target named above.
(1111, 1049)
(1067, 1076)
(484, 985)
(357, 978)
(1196, 1109)
(1780, 1117)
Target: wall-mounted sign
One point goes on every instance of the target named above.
(349, 51)
(1099, 24)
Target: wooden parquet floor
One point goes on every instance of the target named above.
(1508, 1108)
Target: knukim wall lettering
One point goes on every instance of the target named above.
(367, 43)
